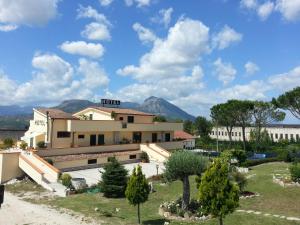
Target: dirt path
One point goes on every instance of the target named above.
(16, 211)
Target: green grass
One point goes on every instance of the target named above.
(274, 199)
(23, 187)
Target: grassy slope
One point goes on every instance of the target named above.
(274, 199)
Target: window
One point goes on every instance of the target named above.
(225, 133)
(92, 161)
(281, 136)
(297, 137)
(212, 132)
(121, 118)
(219, 133)
(272, 136)
(132, 156)
(63, 134)
(286, 136)
(292, 136)
(240, 134)
(80, 136)
(236, 134)
(276, 136)
(130, 119)
(124, 125)
(167, 137)
(91, 116)
(222, 133)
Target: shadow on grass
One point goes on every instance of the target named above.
(154, 222)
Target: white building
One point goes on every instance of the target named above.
(276, 132)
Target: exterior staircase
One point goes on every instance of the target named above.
(41, 172)
(155, 152)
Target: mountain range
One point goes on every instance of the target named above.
(17, 117)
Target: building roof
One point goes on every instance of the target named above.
(179, 134)
(123, 111)
(55, 113)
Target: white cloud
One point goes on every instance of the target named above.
(164, 17)
(54, 80)
(265, 10)
(105, 2)
(286, 81)
(249, 4)
(251, 68)
(82, 48)
(7, 28)
(225, 71)
(145, 35)
(139, 3)
(290, 9)
(29, 12)
(173, 56)
(97, 30)
(226, 37)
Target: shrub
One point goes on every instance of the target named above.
(295, 172)
(8, 142)
(50, 161)
(240, 179)
(66, 179)
(144, 157)
(256, 162)
(240, 155)
(41, 144)
(23, 145)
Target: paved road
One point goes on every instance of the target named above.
(93, 176)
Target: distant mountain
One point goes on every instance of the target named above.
(17, 117)
(160, 106)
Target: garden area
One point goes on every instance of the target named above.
(274, 205)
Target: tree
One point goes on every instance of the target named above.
(218, 195)
(180, 166)
(243, 113)
(265, 113)
(23, 145)
(8, 142)
(114, 179)
(188, 126)
(203, 126)
(290, 101)
(225, 115)
(159, 119)
(137, 190)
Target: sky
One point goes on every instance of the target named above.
(193, 53)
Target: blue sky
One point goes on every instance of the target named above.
(192, 53)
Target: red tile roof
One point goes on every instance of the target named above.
(123, 111)
(56, 113)
(179, 134)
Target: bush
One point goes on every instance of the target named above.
(295, 172)
(23, 145)
(240, 179)
(50, 161)
(66, 179)
(145, 157)
(8, 142)
(256, 162)
(41, 144)
(240, 155)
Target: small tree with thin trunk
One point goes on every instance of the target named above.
(137, 190)
(218, 195)
(180, 166)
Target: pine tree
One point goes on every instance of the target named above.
(218, 195)
(137, 190)
(114, 179)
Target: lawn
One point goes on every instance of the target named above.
(274, 199)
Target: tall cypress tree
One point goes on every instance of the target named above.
(137, 190)
(114, 179)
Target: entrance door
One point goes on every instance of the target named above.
(31, 143)
(167, 137)
(137, 137)
(154, 137)
(93, 139)
(101, 139)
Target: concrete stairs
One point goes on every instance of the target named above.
(155, 152)
(41, 172)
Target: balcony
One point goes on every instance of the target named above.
(106, 125)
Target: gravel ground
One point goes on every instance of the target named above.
(16, 211)
(93, 176)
